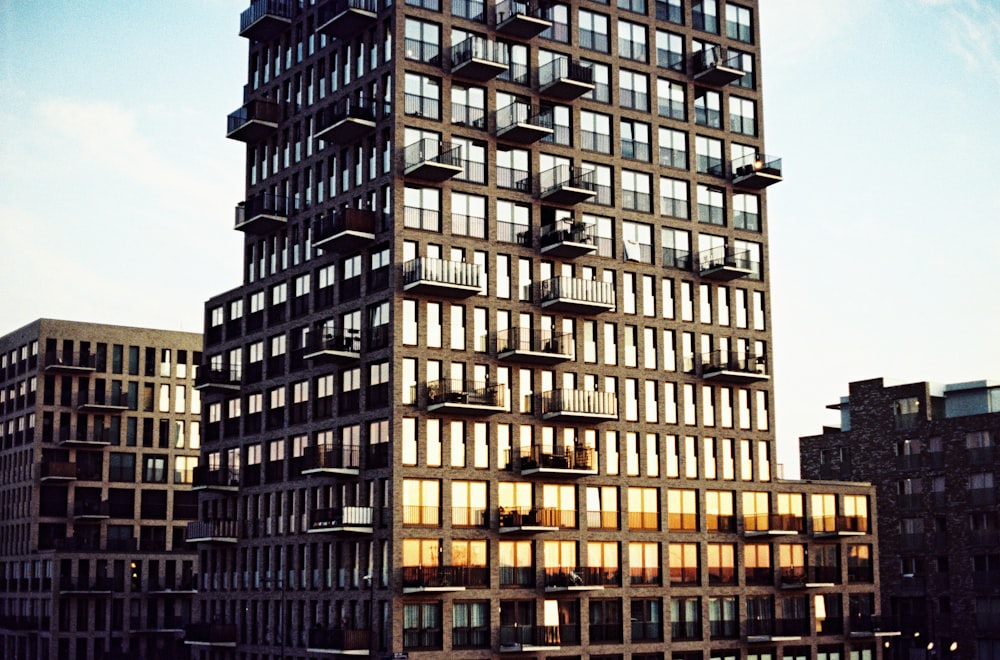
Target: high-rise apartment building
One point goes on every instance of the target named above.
(496, 380)
(99, 436)
(931, 449)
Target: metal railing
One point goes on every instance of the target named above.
(468, 392)
(577, 289)
(534, 341)
(557, 458)
(257, 110)
(580, 402)
(342, 516)
(566, 176)
(756, 163)
(523, 113)
(260, 8)
(565, 69)
(432, 151)
(446, 576)
(441, 271)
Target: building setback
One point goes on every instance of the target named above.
(931, 451)
(497, 377)
(99, 436)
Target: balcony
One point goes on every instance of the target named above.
(342, 519)
(568, 239)
(78, 364)
(465, 397)
(573, 294)
(334, 347)
(424, 579)
(756, 172)
(523, 345)
(432, 160)
(529, 639)
(262, 213)
(335, 458)
(266, 19)
(520, 123)
(217, 378)
(561, 579)
(57, 471)
(776, 524)
(478, 59)
(866, 625)
(84, 585)
(253, 122)
(715, 67)
(454, 279)
(520, 19)
(103, 402)
(723, 264)
(186, 584)
(828, 526)
(343, 19)
(212, 531)
(555, 461)
(345, 230)
(342, 641)
(210, 634)
(733, 367)
(564, 79)
(347, 121)
(775, 630)
(218, 480)
(563, 184)
(579, 405)
(526, 520)
(813, 577)
(91, 510)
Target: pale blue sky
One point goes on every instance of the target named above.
(884, 235)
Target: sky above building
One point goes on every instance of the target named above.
(117, 186)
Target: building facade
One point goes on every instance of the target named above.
(99, 436)
(931, 451)
(496, 379)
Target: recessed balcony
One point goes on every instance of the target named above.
(346, 122)
(574, 294)
(91, 510)
(520, 123)
(867, 625)
(465, 397)
(57, 471)
(212, 531)
(566, 238)
(527, 520)
(184, 584)
(813, 577)
(478, 59)
(776, 630)
(103, 402)
(756, 171)
(221, 378)
(734, 367)
(519, 19)
(346, 18)
(454, 279)
(342, 519)
(529, 639)
(832, 526)
(219, 480)
(262, 213)
(555, 461)
(564, 79)
(724, 263)
(432, 160)
(334, 346)
(345, 230)
(210, 634)
(266, 19)
(579, 405)
(714, 66)
(78, 364)
(775, 524)
(339, 641)
(253, 122)
(563, 579)
(528, 346)
(430, 579)
(336, 458)
(84, 585)
(100, 436)
(566, 185)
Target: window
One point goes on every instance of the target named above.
(721, 564)
(746, 212)
(423, 40)
(121, 467)
(422, 96)
(671, 100)
(647, 620)
(559, 15)
(684, 564)
(562, 125)
(738, 23)
(756, 512)
(422, 625)
(468, 106)
(601, 77)
(682, 510)
(643, 508)
(516, 565)
(594, 31)
(685, 618)
(711, 206)
(906, 412)
(742, 116)
(595, 131)
(705, 15)
(154, 469)
(708, 108)
(632, 41)
(708, 155)
(422, 208)
(184, 469)
(633, 90)
(637, 6)
(605, 620)
(468, 215)
(636, 194)
(673, 148)
(722, 617)
(744, 62)
(470, 626)
(669, 50)
(473, 159)
(674, 198)
(423, 498)
(635, 140)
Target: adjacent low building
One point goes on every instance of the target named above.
(99, 436)
(931, 451)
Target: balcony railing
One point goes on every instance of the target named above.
(217, 378)
(217, 479)
(529, 519)
(574, 294)
(445, 578)
(71, 363)
(839, 525)
(521, 123)
(221, 531)
(568, 239)
(91, 509)
(579, 404)
(58, 471)
(432, 160)
(580, 578)
(457, 395)
(262, 213)
(756, 171)
(254, 121)
(339, 639)
(528, 638)
(554, 461)
(67, 584)
(210, 634)
(564, 79)
(335, 458)
(348, 120)
(478, 59)
(453, 278)
(266, 19)
(337, 346)
(714, 66)
(768, 628)
(345, 18)
(356, 519)
(774, 524)
(108, 402)
(346, 230)
(534, 346)
(564, 184)
(733, 367)
(521, 19)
